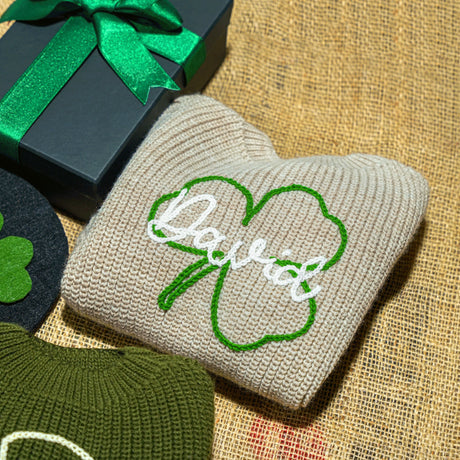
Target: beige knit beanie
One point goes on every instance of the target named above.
(212, 247)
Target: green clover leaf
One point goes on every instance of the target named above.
(15, 254)
(202, 267)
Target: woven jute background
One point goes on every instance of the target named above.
(328, 77)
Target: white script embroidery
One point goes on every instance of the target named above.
(209, 239)
(17, 435)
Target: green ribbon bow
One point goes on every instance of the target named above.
(125, 32)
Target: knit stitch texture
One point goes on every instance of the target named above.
(131, 403)
(33, 252)
(212, 247)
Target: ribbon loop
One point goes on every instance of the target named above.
(159, 11)
(29, 10)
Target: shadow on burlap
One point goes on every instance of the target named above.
(335, 78)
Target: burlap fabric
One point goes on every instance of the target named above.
(335, 78)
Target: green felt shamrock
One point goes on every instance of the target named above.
(15, 254)
(212, 259)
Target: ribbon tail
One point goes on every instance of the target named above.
(43, 80)
(128, 57)
(183, 47)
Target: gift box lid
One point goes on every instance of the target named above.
(90, 129)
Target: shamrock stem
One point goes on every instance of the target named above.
(183, 281)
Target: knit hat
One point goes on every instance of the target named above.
(64, 403)
(33, 252)
(212, 247)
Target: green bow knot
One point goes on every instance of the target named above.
(125, 31)
(160, 11)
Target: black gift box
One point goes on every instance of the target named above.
(76, 149)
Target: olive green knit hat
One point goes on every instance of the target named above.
(131, 403)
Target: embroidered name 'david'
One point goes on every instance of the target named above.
(209, 239)
(206, 242)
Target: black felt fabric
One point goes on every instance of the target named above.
(28, 214)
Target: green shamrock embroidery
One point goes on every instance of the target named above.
(201, 268)
(15, 255)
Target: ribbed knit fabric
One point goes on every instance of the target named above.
(62, 403)
(212, 247)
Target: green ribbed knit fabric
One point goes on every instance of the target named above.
(132, 403)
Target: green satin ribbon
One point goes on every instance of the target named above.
(125, 35)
